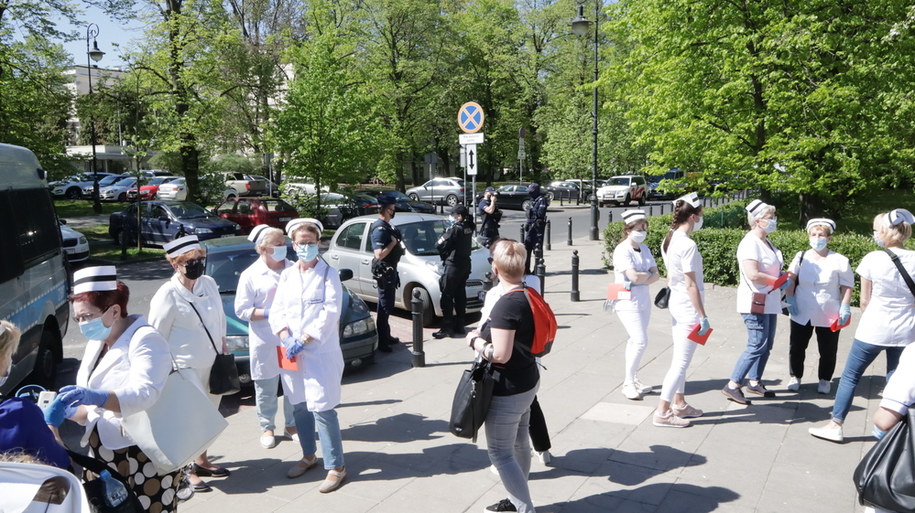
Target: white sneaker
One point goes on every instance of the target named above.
(794, 384)
(828, 433)
(670, 420)
(545, 457)
(824, 387)
(631, 392)
(268, 441)
(494, 470)
(642, 388)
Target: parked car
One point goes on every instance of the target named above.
(74, 243)
(228, 257)
(448, 190)
(340, 207)
(164, 221)
(245, 185)
(511, 197)
(273, 189)
(118, 190)
(420, 267)
(404, 202)
(72, 187)
(365, 204)
(104, 182)
(150, 189)
(152, 173)
(250, 212)
(567, 190)
(176, 190)
(658, 190)
(622, 190)
(299, 189)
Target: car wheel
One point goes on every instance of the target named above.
(451, 200)
(428, 309)
(526, 205)
(73, 193)
(642, 200)
(122, 197)
(414, 196)
(45, 369)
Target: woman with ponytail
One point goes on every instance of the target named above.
(687, 309)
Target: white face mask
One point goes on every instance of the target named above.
(698, 224)
(278, 254)
(879, 241)
(771, 225)
(818, 243)
(637, 236)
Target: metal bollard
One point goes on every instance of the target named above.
(650, 210)
(541, 273)
(569, 239)
(575, 296)
(523, 225)
(549, 246)
(416, 307)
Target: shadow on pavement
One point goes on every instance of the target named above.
(625, 468)
(677, 498)
(404, 427)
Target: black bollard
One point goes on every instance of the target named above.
(523, 225)
(576, 296)
(650, 210)
(549, 246)
(569, 240)
(541, 273)
(416, 306)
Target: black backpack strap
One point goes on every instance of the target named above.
(902, 271)
(95, 465)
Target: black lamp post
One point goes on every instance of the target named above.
(93, 54)
(581, 26)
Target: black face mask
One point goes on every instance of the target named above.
(392, 213)
(194, 269)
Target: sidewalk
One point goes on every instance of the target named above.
(607, 454)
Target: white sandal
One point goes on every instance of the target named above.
(333, 480)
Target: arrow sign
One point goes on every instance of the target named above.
(471, 159)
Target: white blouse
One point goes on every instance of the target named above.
(682, 256)
(889, 319)
(770, 261)
(626, 257)
(256, 289)
(818, 288)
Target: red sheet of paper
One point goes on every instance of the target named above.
(285, 363)
(618, 292)
(696, 337)
(780, 280)
(835, 324)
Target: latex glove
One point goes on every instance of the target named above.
(608, 305)
(627, 284)
(786, 284)
(704, 326)
(74, 396)
(267, 312)
(293, 346)
(844, 314)
(792, 305)
(878, 433)
(57, 411)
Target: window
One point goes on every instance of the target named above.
(226, 207)
(276, 206)
(244, 207)
(37, 234)
(351, 236)
(420, 238)
(639, 180)
(10, 261)
(159, 211)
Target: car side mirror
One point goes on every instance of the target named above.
(345, 274)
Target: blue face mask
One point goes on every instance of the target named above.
(818, 243)
(278, 254)
(878, 241)
(95, 329)
(307, 252)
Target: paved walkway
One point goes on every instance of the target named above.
(607, 454)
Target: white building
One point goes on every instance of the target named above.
(109, 157)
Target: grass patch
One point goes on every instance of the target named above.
(83, 208)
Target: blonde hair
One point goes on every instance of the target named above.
(751, 218)
(820, 227)
(184, 257)
(890, 234)
(508, 257)
(309, 227)
(270, 237)
(9, 339)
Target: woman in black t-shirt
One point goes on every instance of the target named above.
(505, 339)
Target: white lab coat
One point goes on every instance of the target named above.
(819, 287)
(307, 303)
(682, 256)
(135, 368)
(256, 289)
(626, 257)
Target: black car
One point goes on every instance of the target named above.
(404, 202)
(164, 221)
(227, 258)
(511, 197)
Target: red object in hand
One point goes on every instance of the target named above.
(835, 324)
(781, 280)
(696, 337)
(286, 363)
(618, 292)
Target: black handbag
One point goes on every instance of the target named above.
(95, 489)
(472, 399)
(224, 374)
(885, 478)
(662, 298)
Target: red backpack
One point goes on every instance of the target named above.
(545, 325)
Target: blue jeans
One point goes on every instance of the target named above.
(509, 446)
(265, 399)
(859, 358)
(760, 337)
(328, 432)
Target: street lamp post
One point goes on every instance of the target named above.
(581, 26)
(93, 54)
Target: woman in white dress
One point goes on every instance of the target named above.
(187, 311)
(634, 265)
(253, 300)
(306, 317)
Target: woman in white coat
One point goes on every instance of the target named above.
(123, 371)
(253, 300)
(306, 317)
(634, 265)
(187, 311)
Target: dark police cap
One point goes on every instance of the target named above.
(459, 210)
(386, 199)
(490, 189)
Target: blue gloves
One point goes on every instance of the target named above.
(704, 326)
(627, 284)
(878, 433)
(792, 305)
(74, 396)
(267, 312)
(786, 284)
(844, 314)
(293, 346)
(57, 411)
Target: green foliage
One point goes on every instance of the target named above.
(307, 205)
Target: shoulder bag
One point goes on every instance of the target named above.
(223, 374)
(472, 399)
(796, 283)
(885, 478)
(95, 489)
(662, 298)
(905, 275)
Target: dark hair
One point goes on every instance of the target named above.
(682, 211)
(103, 300)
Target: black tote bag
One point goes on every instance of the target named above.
(662, 298)
(885, 478)
(471, 400)
(224, 378)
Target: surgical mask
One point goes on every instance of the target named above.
(278, 254)
(307, 252)
(698, 224)
(818, 243)
(637, 236)
(770, 225)
(879, 241)
(451, 220)
(95, 329)
(193, 269)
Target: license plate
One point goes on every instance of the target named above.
(285, 219)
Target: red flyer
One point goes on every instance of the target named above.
(285, 363)
(780, 280)
(618, 292)
(835, 324)
(696, 337)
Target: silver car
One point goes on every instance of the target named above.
(420, 267)
(448, 190)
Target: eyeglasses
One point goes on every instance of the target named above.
(88, 317)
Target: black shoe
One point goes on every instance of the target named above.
(205, 472)
(502, 505)
(441, 334)
(384, 348)
(393, 340)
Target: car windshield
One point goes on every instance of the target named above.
(420, 237)
(226, 266)
(109, 180)
(158, 180)
(187, 210)
(618, 180)
(276, 205)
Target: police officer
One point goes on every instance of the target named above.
(386, 243)
(536, 221)
(454, 247)
(490, 215)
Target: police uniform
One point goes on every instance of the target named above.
(489, 228)
(387, 279)
(536, 221)
(454, 246)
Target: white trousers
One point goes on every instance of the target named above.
(636, 324)
(682, 354)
